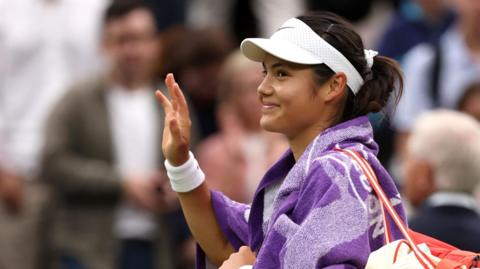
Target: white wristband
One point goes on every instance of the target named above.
(246, 267)
(186, 177)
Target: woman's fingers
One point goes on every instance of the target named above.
(181, 101)
(164, 102)
(171, 85)
(178, 100)
(244, 256)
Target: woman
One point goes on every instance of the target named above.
(313, 208)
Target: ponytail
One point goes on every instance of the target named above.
(383, 80)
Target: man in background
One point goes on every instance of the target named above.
(45, 45)
(441, 174)
(103, 155)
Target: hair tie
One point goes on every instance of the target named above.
(369, 55)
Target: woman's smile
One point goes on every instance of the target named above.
(269, 106)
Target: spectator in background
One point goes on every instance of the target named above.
(103, 155)
(235, 159)
(196, 57)
(470, 100)
(436, 76)
(442, 171)
(44, 47)
(415, 22)
(470, 103)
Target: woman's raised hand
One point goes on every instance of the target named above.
(188, 179)
(177, 124)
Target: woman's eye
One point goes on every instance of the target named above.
(264, 73)
(281, 74)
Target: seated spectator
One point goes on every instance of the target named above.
(235, 159)
(441, 173)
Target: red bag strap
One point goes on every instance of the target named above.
(424, 260)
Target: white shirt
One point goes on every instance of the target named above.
(454, 199)
(44, 47)
(135, 135)
(254, 149)
(458, 70)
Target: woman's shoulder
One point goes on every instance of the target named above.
(335, 165)
(330, 157)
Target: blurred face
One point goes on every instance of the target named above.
(432, 7)
(131, 45)
(418, 180)
(289, 103)
(471, 106)
(201, 81)
(469, 12)
(245, 99)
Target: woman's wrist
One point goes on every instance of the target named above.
(180, 158)
(186, 177)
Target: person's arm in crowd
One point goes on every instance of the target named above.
(11, 190)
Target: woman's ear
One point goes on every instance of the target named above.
(336, 87)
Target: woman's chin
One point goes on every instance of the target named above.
(269, 126)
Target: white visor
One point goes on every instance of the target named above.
(296, 42)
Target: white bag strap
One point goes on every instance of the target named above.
(424, 260)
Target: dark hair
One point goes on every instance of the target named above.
(380, 81)
(188, 48)
(120, 8)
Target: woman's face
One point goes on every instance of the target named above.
(291, 101)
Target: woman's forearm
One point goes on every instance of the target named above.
(198, 210)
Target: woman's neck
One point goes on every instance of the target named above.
(300, 142)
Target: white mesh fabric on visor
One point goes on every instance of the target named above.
(296, 42)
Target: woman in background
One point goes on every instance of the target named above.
(235, 159)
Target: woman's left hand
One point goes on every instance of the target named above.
(244, 256)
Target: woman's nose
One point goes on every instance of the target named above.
(265, 88)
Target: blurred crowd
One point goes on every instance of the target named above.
(82, 183)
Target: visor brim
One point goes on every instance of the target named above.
(256, 49)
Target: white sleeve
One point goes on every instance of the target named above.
(416, 93)
(2, 82)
